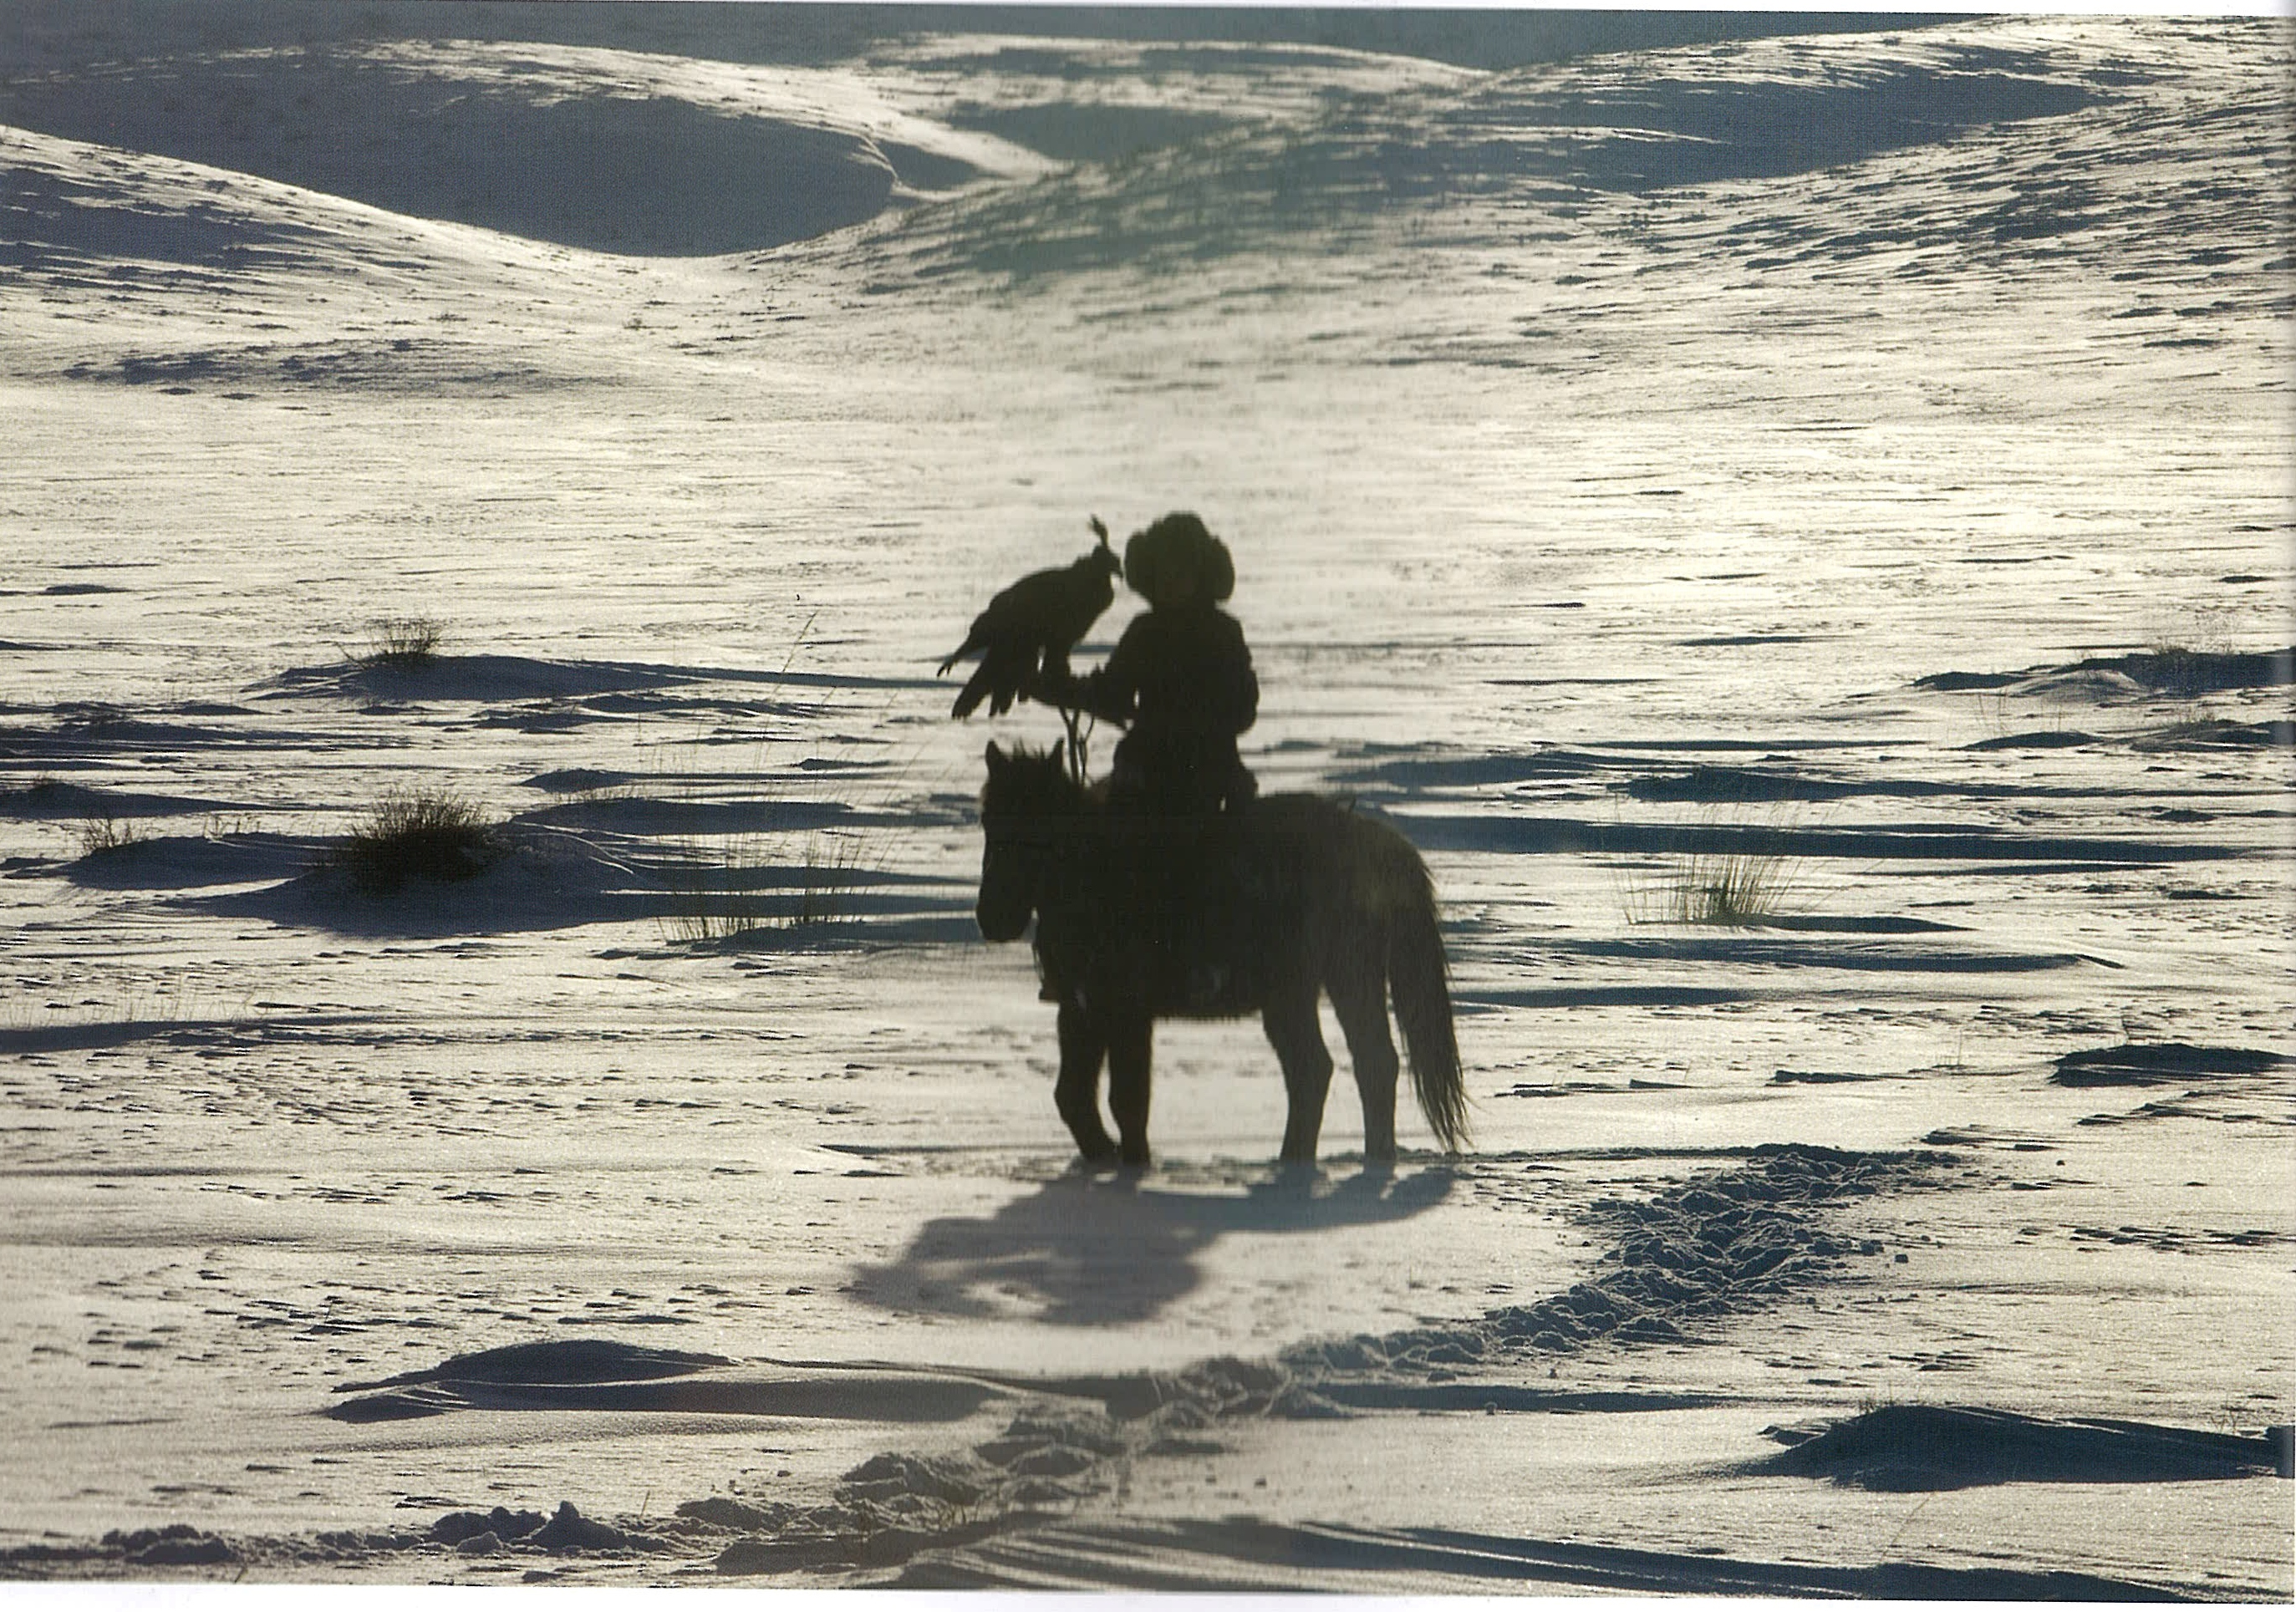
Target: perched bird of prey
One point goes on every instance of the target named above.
(1033, 624)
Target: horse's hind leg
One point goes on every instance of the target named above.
(1289, 1017)
(1077, 1093)
(1130, 1040)
(1359, 998)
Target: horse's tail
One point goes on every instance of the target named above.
(1418, 980)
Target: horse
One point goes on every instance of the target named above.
(1219, 916)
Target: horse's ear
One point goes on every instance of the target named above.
(995, 757)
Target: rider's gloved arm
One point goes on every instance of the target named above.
(1100, 694)
(1051, 685)
(1110, 692)
(1095, 692)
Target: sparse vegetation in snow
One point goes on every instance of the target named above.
(402, 644)
(429, 834)
(1720, 888)
(99, 836)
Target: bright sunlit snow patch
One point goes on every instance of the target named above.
(1795, 528)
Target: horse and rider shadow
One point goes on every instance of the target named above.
(1097, 1250)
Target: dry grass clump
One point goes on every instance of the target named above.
(1726, 890)
(1719, 888)
(403, 644)
(731, 890)
(101, 835)
(825, 888)
(714, 894)
(413, 833)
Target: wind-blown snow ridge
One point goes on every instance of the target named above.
(1616, 454)
(1902, 1448)
(1508, 142)
(1723, 1243)
(1718, 1244)
(1242, 1555)
(607, 150)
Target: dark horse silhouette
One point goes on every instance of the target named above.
(1140, 918)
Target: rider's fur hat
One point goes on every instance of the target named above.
(1175, 560)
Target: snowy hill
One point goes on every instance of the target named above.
(1788, 515)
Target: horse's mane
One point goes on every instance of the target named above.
(1039, 781)
(1022, 755)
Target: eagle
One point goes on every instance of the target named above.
(1033, 624)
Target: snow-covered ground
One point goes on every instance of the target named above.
(1858, 458)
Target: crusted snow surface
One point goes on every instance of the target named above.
(1793, 525)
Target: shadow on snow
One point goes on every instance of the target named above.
(1087, 1250)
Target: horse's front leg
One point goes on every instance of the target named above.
(1129, 1036)
(1078, 1091)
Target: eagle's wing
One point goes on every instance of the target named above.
(997, 679)
(1017, 613)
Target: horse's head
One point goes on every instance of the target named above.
(1021, 805)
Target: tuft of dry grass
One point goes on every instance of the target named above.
(1727, 887)
(2181, 671)
(712, 900)
(403, 644)
(719, 898)
(825, 893)
(99, 836)
(417, 833)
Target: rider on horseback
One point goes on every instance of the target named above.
(1180, 679)
(1161, 896)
